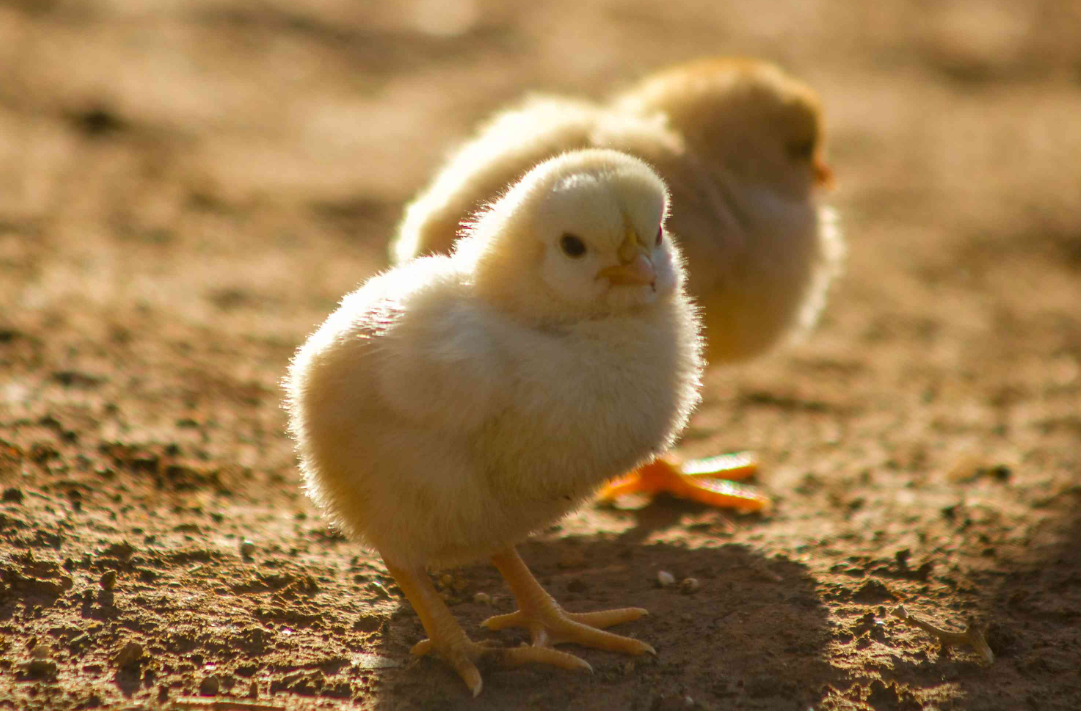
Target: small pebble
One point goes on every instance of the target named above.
(129, 655)
(247, 548)
(482, 598)
(107, 579)
(41, 669)
(689, 585)
(665, 579)
(446, 580)
(210, 686)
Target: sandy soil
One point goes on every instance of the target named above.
(188, 187)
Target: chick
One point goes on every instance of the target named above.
(740, 144)
(455, 404)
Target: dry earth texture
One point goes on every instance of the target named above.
(187, 188)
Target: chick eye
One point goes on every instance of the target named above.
(572, 246)
(801, 150)
(660, 236)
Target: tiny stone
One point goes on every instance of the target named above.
(482, 598)
(210, 686)
(665, 579)
(247, 548)
(129, 655)
(13, 495)
(446, 580)
(689, 585)
(107, 579)
(41, 669)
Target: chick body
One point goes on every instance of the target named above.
(439, 421)
(739, 143)
(437, 429)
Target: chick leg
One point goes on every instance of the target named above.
(449, 641)
(550, 624)
(704, 480)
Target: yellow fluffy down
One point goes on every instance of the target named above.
(438, 421)
(739, 143)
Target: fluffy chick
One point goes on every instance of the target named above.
(739, 143)
(454, 405)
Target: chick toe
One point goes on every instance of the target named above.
(448, 640)
(707, 481)
(549, 624)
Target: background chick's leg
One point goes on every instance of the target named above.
(447, 639)
(704, 480)
(549, 624)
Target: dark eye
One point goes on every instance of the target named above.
(572, 246)
(801, 150)
(660, 236)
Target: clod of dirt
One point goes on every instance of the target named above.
(13, 495)
(39, 670)
(210, 686)
(107, 580)
(891, 696)
(121, 551)
(873, 592)
(129, 656)
(36, 580)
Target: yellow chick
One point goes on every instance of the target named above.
(455, 404)
(740, 144)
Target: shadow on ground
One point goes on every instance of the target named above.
(756, 615)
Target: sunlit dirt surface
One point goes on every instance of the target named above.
(187, 188)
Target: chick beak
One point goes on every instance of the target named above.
(823, 174)
(635, 267)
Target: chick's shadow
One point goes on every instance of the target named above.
(745, 631)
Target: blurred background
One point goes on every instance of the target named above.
(188, 186)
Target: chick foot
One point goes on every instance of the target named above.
(448, 640)
(707, 481)
(550, 624)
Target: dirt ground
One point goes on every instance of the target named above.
(187, 188)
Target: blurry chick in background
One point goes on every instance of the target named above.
(740, 144)
(455, 404)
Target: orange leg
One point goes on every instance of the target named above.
(550, 624)
(707, 481)
(447, 639)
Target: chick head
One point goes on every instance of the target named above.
(759, 122)
(580, 236)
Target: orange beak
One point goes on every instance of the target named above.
(822, 173)
(639, 271)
